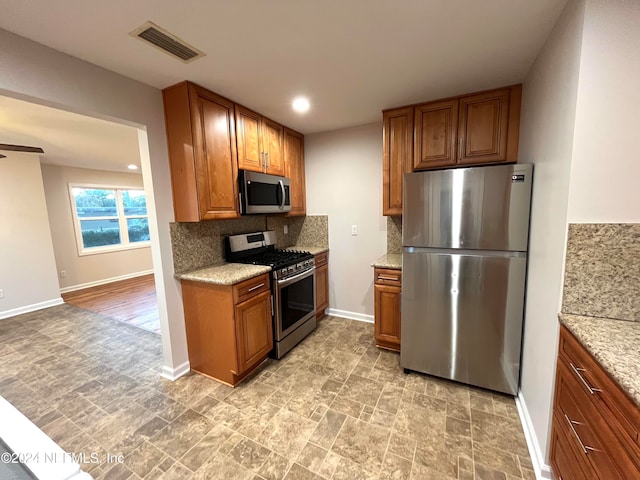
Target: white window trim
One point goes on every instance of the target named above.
(122, 221)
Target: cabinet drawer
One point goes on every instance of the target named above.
(321, 259)
(564, 460)
(388, 276)
(244, 290)
(582, 425)
(604, 394)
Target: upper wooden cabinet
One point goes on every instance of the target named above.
(260, 143)
(436, 132)
(294, 161)
(210, 138)
(488, 129)
(202, 153)
(397, 147)
(475, 129)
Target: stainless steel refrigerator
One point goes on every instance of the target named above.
(464, 259)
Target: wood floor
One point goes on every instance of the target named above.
(133, 301)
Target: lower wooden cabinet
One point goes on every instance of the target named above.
(229, 327)
(322, 283)
(387, 295)
(596, 426)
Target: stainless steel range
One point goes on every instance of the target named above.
(293, 285)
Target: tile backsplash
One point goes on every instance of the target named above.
(201, 244)
(602, 271)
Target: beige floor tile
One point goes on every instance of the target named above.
(361, 442)
(92, 382)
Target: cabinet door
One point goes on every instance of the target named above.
(483, 128)
(248, 132)
(397, 156)
(254, 330)
(273, 147)
(436, 129)
(387, 316)
(294, 162)
(216, 170)
(322, 289)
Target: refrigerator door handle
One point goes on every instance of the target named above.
(468, 252)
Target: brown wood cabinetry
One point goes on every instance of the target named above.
(210, 138)
(260, 143)
(294, 161)
(475, 129)
(397, 147)
(436, 133)
(229, 327)
(387, 295)
(202, 153)
(322, 283)
(596, 426)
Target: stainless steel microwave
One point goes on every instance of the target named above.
(262, 193)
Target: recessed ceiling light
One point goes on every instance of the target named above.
(301, 104)
(132, 167)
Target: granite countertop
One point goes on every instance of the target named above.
(615, 344)
(306, 248)
(389, 260)
(224, 274)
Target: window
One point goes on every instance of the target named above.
(108, 218)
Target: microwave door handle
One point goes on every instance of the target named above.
(283, 194)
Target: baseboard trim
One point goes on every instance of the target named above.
(31, 308)
(175, 373)
(104, 281)
(542, 470)
(361, 317)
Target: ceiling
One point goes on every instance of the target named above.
(352, 58)
(68, 138)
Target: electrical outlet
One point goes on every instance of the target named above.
(286, 229)
(354, 230)
(1, 293)
(63, 273)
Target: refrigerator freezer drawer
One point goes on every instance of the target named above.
(462, 315)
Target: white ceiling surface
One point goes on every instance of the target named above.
(68, 138)
(352, 58)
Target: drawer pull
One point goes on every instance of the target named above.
(255, 287)
(577, 371)
(586, 449)
(385, 277)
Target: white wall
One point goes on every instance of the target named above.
(27, 264)
(546, 140)
(344, 181)
(33, 72)
(87, 269)
(605, 174)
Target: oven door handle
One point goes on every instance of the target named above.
(285, 282)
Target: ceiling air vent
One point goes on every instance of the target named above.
(165, 41)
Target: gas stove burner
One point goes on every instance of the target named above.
(259, 249)
(276, 258)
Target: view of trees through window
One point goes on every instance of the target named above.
(110, 216)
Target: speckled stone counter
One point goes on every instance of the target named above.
(389, 260)
(224, 274)
(306, 248)
(614, 343)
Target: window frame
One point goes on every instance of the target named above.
(124, 244)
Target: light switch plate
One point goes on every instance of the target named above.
(354, 230)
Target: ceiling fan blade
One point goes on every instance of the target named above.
(3, 156)
(20, 148)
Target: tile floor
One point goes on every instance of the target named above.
(335, 408)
